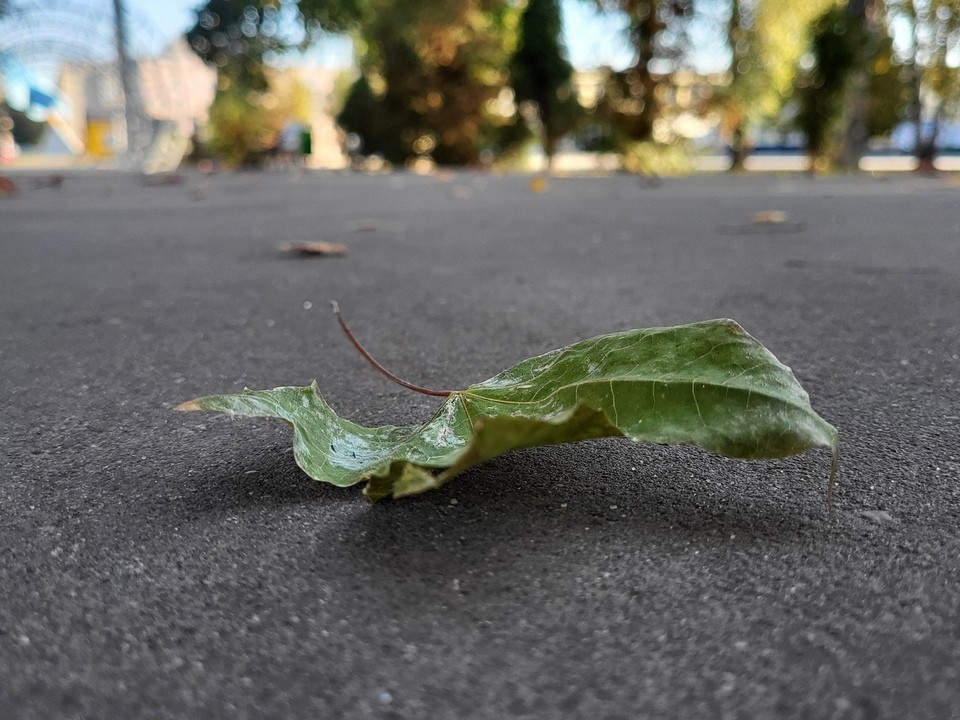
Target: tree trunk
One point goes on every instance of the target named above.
(645, 25)
(920, 148)
(735, 119)
(862, 31)
(738, 149)
(927, 146)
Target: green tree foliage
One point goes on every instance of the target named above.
(361, 113)
(933, 31)
(254, 101)
(853, 87)
(235, 35)
(540, 72)
(834, 50)
(765, 41)
(862, 34)
(434, 68)
(245, 125)
(240, 133)
(632, 99)
(887, 91)
(779, 39)
(394, 122)
(734, 101)
(431, 69)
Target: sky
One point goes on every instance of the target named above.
(592, 40)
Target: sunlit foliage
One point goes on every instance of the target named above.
(245, 124)
(431, 74)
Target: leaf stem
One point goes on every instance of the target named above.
(377, 366)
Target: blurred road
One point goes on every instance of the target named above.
(160, 565)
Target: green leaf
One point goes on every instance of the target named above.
(709, 384)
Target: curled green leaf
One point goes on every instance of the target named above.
(708, 384)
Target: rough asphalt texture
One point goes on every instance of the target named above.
(164, 565)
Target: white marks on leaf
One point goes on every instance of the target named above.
(693, 390)
(443, 438)
(613, 402)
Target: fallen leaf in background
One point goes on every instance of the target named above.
(163, 179)
(765, 222)
(314, 248)
(770, 217)
(51, 181)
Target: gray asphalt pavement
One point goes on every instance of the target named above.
(164, 565)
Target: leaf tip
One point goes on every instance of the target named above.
(189, 406)
(732, 325)
(336, 307)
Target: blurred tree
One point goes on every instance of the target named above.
(933, 31)
(852, 89)
(389, 122)
(245, 124)
(361, 114)
(765, 50)
(834, 50)
(240, 134)
(541, 75)
(235, 36)
(631, 100)
(888, 97)
(736, 99)
(433, 71)
(863, 34)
